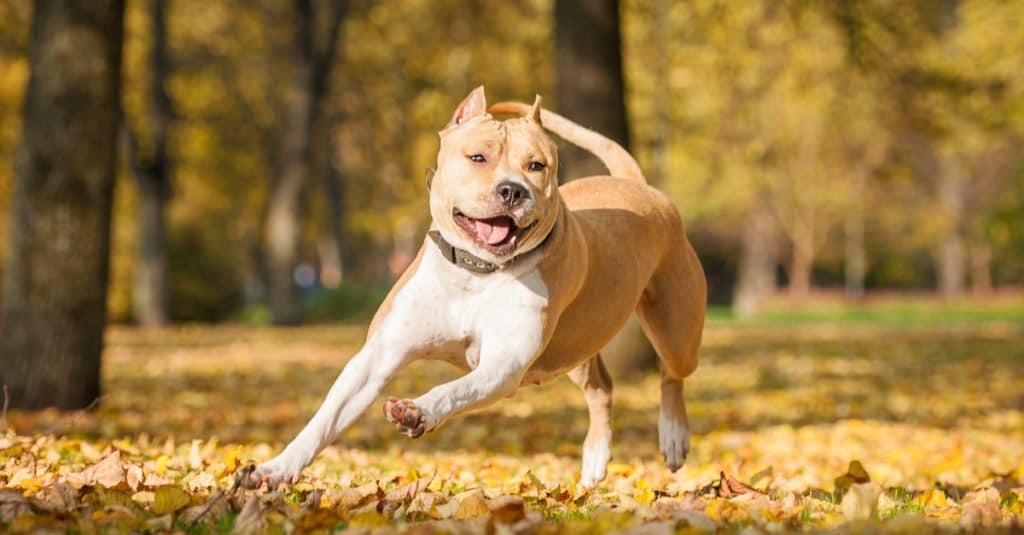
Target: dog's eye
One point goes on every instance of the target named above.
(537, 166)
(478, 158)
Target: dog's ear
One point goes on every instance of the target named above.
(473, 105)
(535, 111)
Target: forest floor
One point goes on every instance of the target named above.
(860, 428)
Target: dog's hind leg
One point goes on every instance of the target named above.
(672, 315)
(593, 378)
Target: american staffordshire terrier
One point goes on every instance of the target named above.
(522, 281)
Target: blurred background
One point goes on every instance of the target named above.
(271, 153)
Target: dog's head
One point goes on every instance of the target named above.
(495, 192)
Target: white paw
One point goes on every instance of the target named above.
(674, 440)
(278, 470)
(595, 463)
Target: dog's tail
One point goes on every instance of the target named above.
(618, 161)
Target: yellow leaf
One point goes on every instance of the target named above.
(722, 510)
(932, 499)
(371, 519)
(168, 499)
(161, 464)
(233, 458)
(144, 497)
(30, 485)
(645, 496)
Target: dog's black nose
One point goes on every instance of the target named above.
(512, 193)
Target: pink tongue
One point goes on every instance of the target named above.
(494, 230)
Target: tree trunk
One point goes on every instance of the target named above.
(334, 261)
(55, 285)
(854, 256)
(981, 268)
(801, 264)
(952, 256)
(150, 291)
(308, 85)
(758, 257)
(590, 87)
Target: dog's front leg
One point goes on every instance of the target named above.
(505, 356)
(354, 390)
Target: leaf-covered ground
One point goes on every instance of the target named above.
(858, 428)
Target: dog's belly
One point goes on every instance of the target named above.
(623, 223)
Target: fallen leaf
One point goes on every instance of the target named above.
(355, 497)
(169, 499)
(250, 517)
(979, 514)
(472, 504)
(58, 498)
(507, 509)
(854, 474)
(134, 476)
(12, 504)
(408, 492)
(729, 486)
(108, 472)
(861, 501)
(195, 460)
(932, 499)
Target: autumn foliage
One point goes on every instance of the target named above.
(809, 427)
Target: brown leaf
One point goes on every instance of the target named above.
(356, 497)
(980, 514)
(472, 504)
(12, 504)
(670, 507)
(854, 474)
(250, 517)
(425, 503)
(108, 472)
(214, 508)
(507, 509)
(730, 486)
(57, 498)
(408, 492)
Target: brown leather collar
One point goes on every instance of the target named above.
(467, 260)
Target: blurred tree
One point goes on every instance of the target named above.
(15, 20)
(152, 170)
(55, 285)
(316, 27)
(590, 88)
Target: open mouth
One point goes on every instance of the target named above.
(499, 234)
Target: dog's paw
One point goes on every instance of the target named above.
(407, 417)
(271, 473)
(595, 463)
(674, 440)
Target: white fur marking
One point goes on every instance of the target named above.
(674, 440)
(498, 313)
(595, 462)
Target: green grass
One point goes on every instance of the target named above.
(894, 313)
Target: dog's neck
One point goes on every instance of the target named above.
(470, 262)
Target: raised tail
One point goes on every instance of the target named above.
(618, 161)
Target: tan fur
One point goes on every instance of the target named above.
(617, 245)
(583, 257)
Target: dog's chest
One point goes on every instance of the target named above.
(475, 310)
